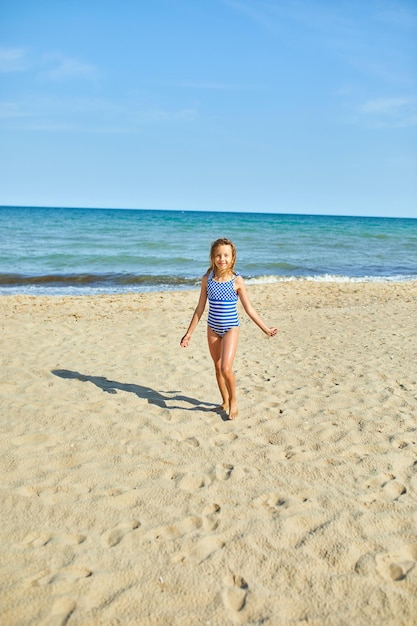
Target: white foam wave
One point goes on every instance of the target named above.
(328, 278)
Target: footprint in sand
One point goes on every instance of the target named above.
(120, 497)
(295, 453)
(175, 531)
(393, 490)
(35, 439)
(393, 569)
(114, 536)
(225, 439)
(406, 440)
(61, 612)
(376, 482)
(202, 548)
(210, 517)
(38, 539)
(200, 551)
(397, 565)
(400, 569)
(71, 574)
(275, 439)
(46, 577)
(190, 481)
(271, 502)
(210, 509)
(393, 566)
(383, 486)
(193, 442)
(235, 592)
(54, 495)
(208, 521)
(224, 471)
(274, 504)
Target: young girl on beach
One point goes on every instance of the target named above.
(222, 286)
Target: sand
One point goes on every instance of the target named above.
(127, 499)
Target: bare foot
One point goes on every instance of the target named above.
(233, 412)
(224, 407)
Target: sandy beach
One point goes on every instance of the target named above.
(126, 498)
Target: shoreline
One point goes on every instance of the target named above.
(127, 497)
(298, 286)
(250, 282)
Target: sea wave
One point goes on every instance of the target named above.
(98, 284)
(329, 278)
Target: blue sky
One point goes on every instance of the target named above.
(287, 106)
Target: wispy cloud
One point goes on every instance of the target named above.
(385, 106)
(389, 70)
(38, 106)
(276, 17)
(13, 60)
(325, 16)
(259, 13)
(11, 110)
(87, 115)
(45, 66)
(58, 67)
(358, 38)
(399, 112)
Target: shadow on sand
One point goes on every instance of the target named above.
(146, 393)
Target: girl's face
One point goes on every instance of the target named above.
(223, 257)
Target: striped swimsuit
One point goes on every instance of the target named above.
(222, 297)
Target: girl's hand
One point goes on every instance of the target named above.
(185, 341)
(271, 332)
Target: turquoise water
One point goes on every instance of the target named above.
(85, 251)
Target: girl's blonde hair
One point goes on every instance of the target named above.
(222, 242)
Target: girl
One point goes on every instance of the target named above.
(222, 286)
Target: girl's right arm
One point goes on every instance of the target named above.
(199, 310)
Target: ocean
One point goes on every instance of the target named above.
(62, 251)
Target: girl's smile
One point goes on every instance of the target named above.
(223, 257)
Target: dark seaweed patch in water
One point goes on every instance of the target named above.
(88, 280)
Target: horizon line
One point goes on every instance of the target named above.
(234, 211)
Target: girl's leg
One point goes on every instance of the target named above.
(215, 347)
(228, 352)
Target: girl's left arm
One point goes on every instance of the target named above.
(246, 303)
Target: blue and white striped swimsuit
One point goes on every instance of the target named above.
(222, 297)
